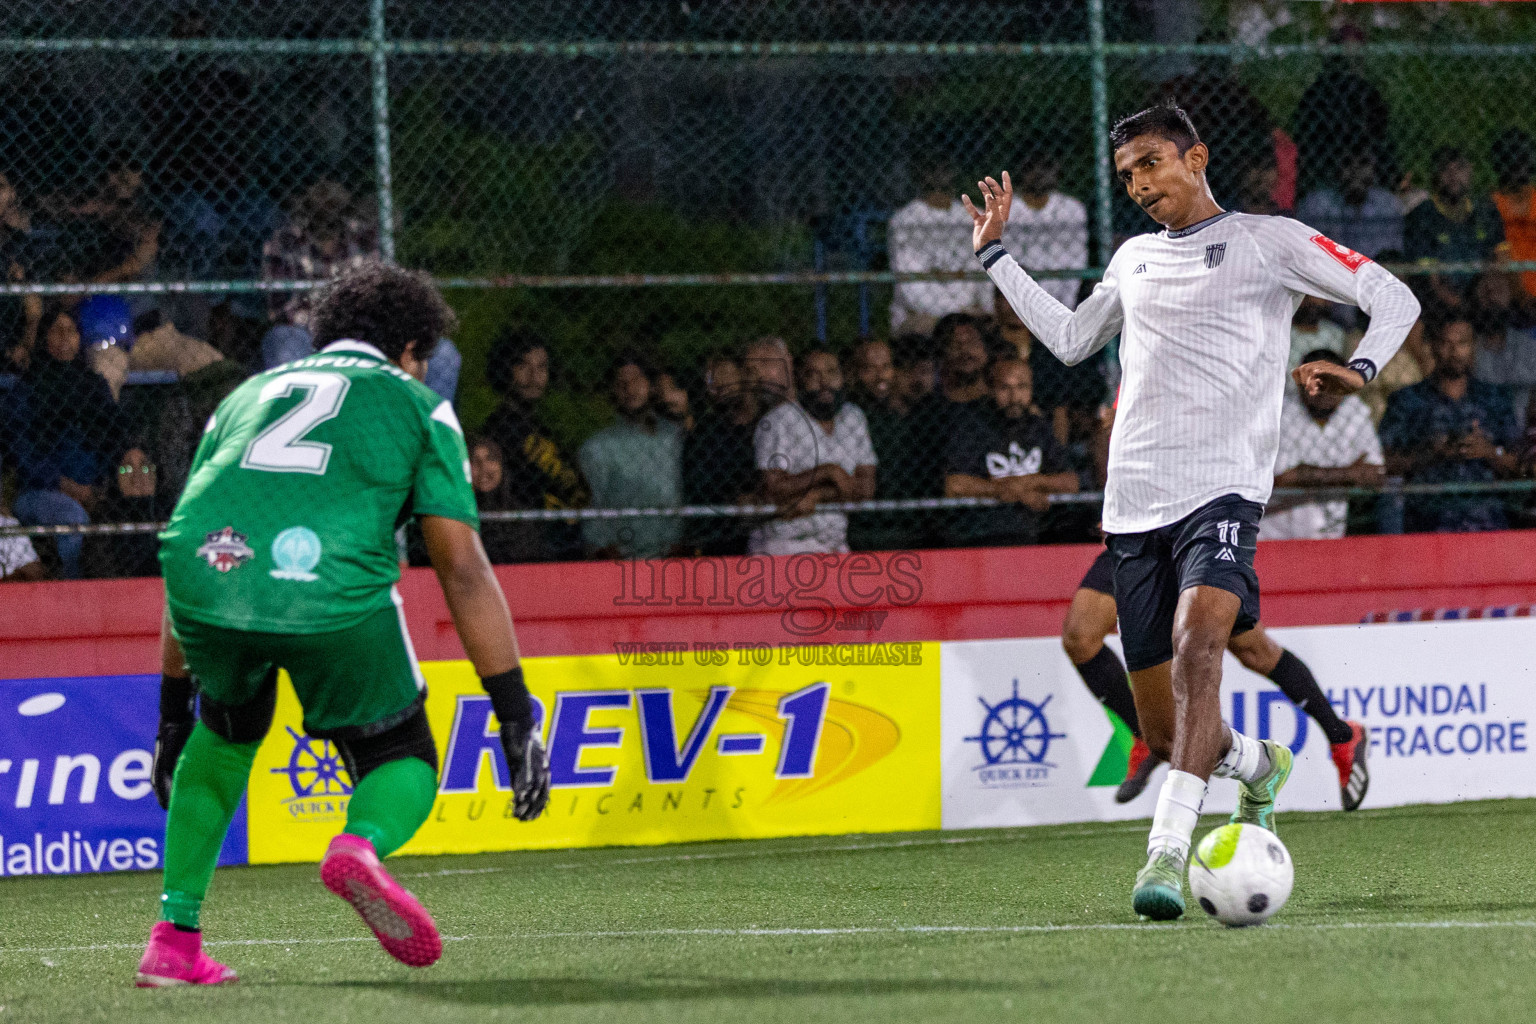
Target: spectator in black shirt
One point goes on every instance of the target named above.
(504, 542)
(962, 340)
(873, 390)
(917, 371)
(915, 392)
(113, 236)
(1069, 396)
(1452, 226)
(719, 461)
(205, 124)
(19, 314)
(890, 432)
(1005, 450)
(539, 474)
(72, 428)
(130, 497)
(1450, 428)
(671, 399)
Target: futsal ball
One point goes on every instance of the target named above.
(1241, 874)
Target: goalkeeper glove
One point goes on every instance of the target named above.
(520, 742)
(178, 701)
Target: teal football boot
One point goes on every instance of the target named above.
(1159, 892)
(1256, 799)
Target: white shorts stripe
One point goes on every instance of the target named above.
(405, 635)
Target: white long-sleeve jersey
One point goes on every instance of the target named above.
(1204, 318)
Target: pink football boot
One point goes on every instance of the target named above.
(177, 958)
(352, 871)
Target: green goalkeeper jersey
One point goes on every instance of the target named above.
(303, 474)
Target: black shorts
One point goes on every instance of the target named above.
(1213, 546)
(1100, 575)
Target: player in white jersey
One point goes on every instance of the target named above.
(1203, 310)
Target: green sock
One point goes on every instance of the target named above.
(210, 779)
(391, 802)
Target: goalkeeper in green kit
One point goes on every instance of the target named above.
(281, 555)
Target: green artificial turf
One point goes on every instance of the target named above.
(1412, 914)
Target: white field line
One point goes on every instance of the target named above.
(747, 933)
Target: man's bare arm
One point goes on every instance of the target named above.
(32, 572)
(863, 483)
(1360, 472)
(475, 600)
(484, 626)
(783, 488)
(964, 485)
(1053, 483)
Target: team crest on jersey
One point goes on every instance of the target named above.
(1352, 261)
(225, 549)
(295, 552)
(1214, 254)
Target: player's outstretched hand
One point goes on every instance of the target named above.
(170, 738)
(987, 224)
(530, 771)
(1324, 378)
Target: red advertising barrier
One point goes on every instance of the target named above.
(111, 627)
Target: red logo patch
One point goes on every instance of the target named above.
(1350, 259)
(225, 549)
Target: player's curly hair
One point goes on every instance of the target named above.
(387, 306)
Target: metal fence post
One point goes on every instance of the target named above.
(381, 131)
(1102, 176)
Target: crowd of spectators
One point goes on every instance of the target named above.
(960, 401)
(103, 397)
(957, 401)
(949, 413)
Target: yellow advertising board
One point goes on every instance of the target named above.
(651, 746)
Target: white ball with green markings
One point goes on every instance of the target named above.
(1241, 874)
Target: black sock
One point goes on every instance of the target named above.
(1105, 677)
(1295, 681)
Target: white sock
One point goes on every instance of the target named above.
(1178, 810)
(1246, 760)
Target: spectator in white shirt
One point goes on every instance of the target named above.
(1325, 441)
(929, 233)
(809, 450)
(1047, 229)
(18, 558)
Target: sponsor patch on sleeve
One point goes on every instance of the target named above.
(1351, 260)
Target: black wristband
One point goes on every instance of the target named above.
(990, 254)
(1364, 367)
(509, 697)
(178, 698)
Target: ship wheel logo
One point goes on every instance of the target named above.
(314, 768)
(1015, 731)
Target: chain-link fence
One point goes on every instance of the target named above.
(659, 219)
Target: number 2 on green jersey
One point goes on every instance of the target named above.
(281, 448)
